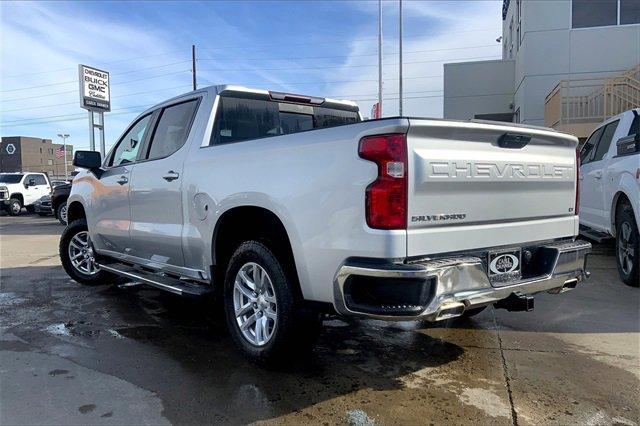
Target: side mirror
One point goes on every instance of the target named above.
(90, 160)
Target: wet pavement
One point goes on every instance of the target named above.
(131, 355)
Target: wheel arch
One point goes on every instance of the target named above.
(75, 211)
(18, 196)
(618, 199)
(242, 223)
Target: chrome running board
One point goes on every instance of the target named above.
(158, 280)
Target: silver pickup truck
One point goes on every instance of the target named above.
(286, 207)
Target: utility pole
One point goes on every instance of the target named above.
(193, 65)
(380, 57)
(64, 137)
(400, 66)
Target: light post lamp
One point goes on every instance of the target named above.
(64, 137)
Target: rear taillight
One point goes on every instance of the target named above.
(386, 197)
(577, 207)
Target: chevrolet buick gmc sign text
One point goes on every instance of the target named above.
(94, 89)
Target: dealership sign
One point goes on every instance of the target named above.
(94, 89)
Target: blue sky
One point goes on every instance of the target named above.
(324, 48)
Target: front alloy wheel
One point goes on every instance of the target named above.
(255, 305)
(15, 207)
(78, 257)
(81, 254)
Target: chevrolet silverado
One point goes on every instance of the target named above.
(285, 207)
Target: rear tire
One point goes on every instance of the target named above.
(627, 246)
(61, 213)
(15, 207)
(266, 321)
(77, 255)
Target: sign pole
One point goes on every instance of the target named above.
(193, 65)
(102, 147)
(92, 136)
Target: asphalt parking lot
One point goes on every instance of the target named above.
(131, 355)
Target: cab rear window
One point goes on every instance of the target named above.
(240, 119)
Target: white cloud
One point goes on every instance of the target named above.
(459, 19)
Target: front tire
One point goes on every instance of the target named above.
(263, 312)
(77, 255)
(61, 213)
(15, 207)
(627, 246)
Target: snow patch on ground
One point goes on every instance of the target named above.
(487, 401)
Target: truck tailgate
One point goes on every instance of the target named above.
(482, 184)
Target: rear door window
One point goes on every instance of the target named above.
(243, 119)
(172, 129)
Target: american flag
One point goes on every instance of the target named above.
(60, 152)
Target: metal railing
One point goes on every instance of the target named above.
(592, 100)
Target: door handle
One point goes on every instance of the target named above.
(171, 175)
(123, 179)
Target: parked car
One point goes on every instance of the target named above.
(43, 206)
(59, 197)
(55, 183)
(286, 206)
(610, 189)
(19, 190)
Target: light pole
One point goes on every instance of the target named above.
(400, 62)
(380, 58)
(64, 137)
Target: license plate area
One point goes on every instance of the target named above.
(504, 266)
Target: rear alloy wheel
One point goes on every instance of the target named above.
(62, 213)
(265, 316)
(15, 207)
(255, 304)
(627, 246)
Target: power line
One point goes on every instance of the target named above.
(68, 115)
(103, 63)
(83, 117)
(343, 66)
(352, 56)
(76, 82)
(332, 41)
(113, 97)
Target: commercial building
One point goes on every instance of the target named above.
(28, 154)
(567, 64)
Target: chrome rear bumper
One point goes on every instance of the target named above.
(458, 283)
